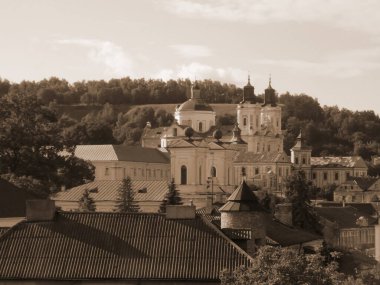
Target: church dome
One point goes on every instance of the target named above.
(195, 105)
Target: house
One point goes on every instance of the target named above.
(147, 194)
(115, 162)
(359, 189)
(347, 227)
(178, 247)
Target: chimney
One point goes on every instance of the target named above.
(40, 210)
(180, 212)
(283, 213)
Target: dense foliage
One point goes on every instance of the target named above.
(31, 145)
(125, 202)
(86, 203)
(329, 130)
(171, 198)
(285, 266)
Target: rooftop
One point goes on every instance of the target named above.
(267, 157)
(107, 190)
(120, 153)
(338, 161)
(121, 246)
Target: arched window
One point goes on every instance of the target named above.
(243, 172)
(183, 175)
(200, 175)
(213, 171)
(200, 127)
(244, 121)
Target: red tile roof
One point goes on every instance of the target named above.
(123, 246)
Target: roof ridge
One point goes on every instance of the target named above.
(226, 238)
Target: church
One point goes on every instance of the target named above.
(205, 162)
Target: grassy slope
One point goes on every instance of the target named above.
(79, 111)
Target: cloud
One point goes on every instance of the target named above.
(350, 14)
(192, 51)
(106, 53)
(346, 64)
(196, 70)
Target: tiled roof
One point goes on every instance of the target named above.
(267, 157)
(12, 200)
(363, 182)
(337, 161)
(365, 208)
(117, 246)
(107, 190)
(344, 217)
(120, 153)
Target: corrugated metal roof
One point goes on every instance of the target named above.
(120, 153)
(107, 190)
(337, 161)
(126, 246)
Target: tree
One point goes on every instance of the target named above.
(86, 203)
(125, 200)
(284, 266)
(171, 198)
(298, 193)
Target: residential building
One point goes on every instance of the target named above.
(359, 189)
(347, 227)
(148, 195)
(115, 162)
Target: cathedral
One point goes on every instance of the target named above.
(207, 162)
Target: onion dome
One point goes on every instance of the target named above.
(249, 93)
(270, 95)
(217, 134)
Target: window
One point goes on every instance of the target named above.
(106, 171)
(256, 170)
(314, 176)
(154, 173)
(148, 173)
(243, 172)
(303, 160)
(134, 172)
(296, 160)
(279, 171)
(257, 121)
(200, 127)
(244, 121)
(213, 171)
(324, 175)
(268, 147)
(183, 175)
(336, 175)
(161, 173)
(200, 175)
(347, 175)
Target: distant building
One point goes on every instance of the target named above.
(347, 227)
(323, 171)
(117, 248)
(359, 189)
(115, 162)
(147, 194)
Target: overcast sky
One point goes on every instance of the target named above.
(328, 49)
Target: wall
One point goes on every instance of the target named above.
(193, 118)
(117, 170)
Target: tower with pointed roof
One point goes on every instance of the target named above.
(195, 112)
(300, 155)
(244, 212)
(248, 111)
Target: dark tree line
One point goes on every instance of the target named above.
(120, 91)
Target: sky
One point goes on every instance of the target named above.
(328, 49)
